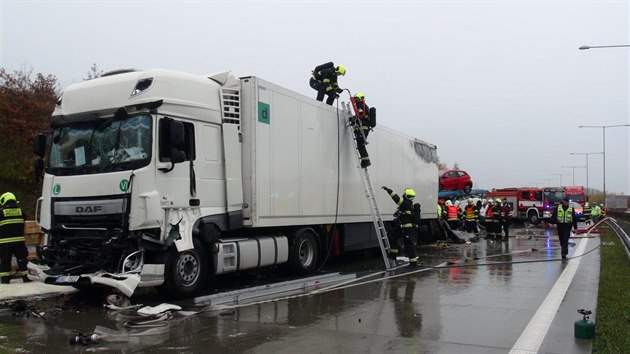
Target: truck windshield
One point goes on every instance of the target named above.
(576, 198)
(554, 196)
(101, 146)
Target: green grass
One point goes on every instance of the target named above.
(612, 331)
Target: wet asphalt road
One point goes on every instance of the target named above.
(479, 301)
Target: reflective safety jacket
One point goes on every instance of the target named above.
(327, 75)
(596, 211)
(564, 216)
(490, 214)
(11, 225)
(587, 211)
(363, 114)
(452, 212)
(471, 213)
(404, 212)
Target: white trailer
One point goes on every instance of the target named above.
(160, 178)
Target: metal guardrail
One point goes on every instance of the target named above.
(621, 228)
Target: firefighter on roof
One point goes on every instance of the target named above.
(11, 238)
(407, 220)
(324, 81)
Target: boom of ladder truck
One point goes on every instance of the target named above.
(161, 178)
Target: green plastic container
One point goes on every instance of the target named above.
(584, 329)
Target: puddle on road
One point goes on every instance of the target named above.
(397, 301)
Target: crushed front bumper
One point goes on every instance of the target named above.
(150, 275)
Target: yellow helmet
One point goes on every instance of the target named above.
(410, 193)
(340, 70)
(498, 200)
(359, 96)
(7, 197)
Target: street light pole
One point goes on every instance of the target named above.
(586, 154)
(559, 174)
(573, 167)
(603, 46)
(604, 147)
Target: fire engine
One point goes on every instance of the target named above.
(530, 203)
(575, 194)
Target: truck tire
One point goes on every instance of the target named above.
(467, 188)
(532, 217)
(304, 252)
(185, 272)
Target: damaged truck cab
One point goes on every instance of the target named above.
(161, 178)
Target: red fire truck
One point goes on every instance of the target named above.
(530, 203)
(575, 194)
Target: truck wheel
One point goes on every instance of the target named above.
(533, 218)
(467, 189)
(303, 256)
(186, 272)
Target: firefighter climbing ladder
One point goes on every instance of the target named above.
(379, 226)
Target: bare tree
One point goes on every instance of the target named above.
(94, 73)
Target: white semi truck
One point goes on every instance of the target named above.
(161, 178)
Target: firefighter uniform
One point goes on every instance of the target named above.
(506, 218)
(324, 81)
(407, 226)
(471, 215)
(362, 128)
(564, 218)
(491, 222)
(11, 238)
(453, 216)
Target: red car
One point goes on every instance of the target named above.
(455, 180)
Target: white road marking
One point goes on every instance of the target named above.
(532, 337)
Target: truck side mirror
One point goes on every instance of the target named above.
(176, 138)
(177, 156)
(39, 145)
(38, 168)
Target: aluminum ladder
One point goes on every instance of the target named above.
(379, 226)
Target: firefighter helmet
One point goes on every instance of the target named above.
(448, 203)
(586, 204)
(359, 96)
(340, 70)
(457, 202)
(7, 197)
(410, 193)
(470, 200)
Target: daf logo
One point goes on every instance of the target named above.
(89, 209)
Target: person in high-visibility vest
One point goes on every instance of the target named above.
(471, 215)
(12, 238)
(596, 213)
(407, 225)
(452, 215)
(324, 81)
(564, 218)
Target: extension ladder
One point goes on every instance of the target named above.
(379, 226)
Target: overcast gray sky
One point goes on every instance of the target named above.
(499, 86)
